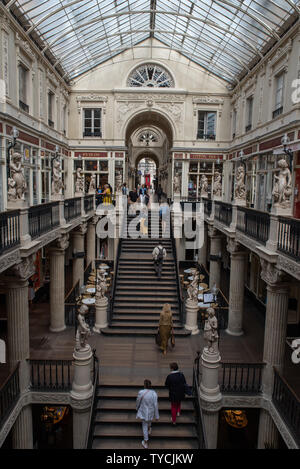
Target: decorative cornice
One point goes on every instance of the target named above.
(8, 260)
(208, 100)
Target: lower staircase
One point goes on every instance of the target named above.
(114, 423)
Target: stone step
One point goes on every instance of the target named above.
(129, 416)
(159, 431)
(145, 288)
(128, 331)
(135, 443)
(144, 318)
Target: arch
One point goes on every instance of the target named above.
(149, 118)
(152, 62)
(147, 154)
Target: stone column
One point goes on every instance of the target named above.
(275, 323)
(91, 241)
(236, 289)
(268, 435)
(215, 259)
(191, 316)
(57, 283)
(101, 314)
(202, 251)
(22, 432)
(78, 253)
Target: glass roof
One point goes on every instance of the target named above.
(222, 36)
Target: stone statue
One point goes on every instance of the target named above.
(218, 184)
(92, 186)
(193, 288)
(210, 333)
(101, 286)
(203, 185)
(282, 185)
(177, 183)
(118, 181)
(12, 191)
(57, 184)
(240, 188)
(83, 330)
(79, 184)
(17, 175)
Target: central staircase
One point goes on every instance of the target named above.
(139, 295)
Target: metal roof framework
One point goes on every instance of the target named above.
(224, 37)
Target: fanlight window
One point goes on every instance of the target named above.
(150, 75)
(148, 137)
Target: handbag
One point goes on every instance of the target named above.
(158, 338)
(188, 390)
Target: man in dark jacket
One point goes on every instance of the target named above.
(175, 381)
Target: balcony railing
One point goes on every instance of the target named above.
(253, 223)
(223, 212)
(23, 106)
(277, 112)
(9, 394)
(50, 123)
(72, 208)
(51, 375)
(287, 404)
(9, 230)
(242, 378)
(202, 136)
(248, 127)
(43, 218)
(289, 237)
(207, 206)
(88, 203)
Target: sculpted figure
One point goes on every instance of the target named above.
(83, 330)
(211, 331)
(12, 191)
(57, 183)
(92, 186)
(240, 188)
(218, 184)
(101, 286)
(118, 181)
(282, 184)
(79, 184)
(192, 290)
(204, 184)
(177, 183)
(17, 175)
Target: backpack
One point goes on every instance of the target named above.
(160, 254)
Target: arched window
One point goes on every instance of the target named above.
(150, 75)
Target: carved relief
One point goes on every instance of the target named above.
(91, 98)
(282, 189)
(217, 184)
(240, 187)
(24, 269)
(18, 177)
(63, 241)
(270, 273)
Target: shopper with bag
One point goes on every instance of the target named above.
(177, 386)
(147, 409)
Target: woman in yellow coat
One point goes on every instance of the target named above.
(165, 326)
(106, 195)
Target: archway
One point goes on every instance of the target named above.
(147, 165)
(149, 137)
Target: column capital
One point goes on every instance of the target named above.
(21, 271)
(271, 274)
(234, 247)
(94, 220)
(80, 229)
(60, 244)
(213, 232)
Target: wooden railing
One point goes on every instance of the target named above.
(9, 394)
(43, 218)
(223, 212)
(241, 378)
(51, 375)
(202, 442)
(9, 230)
(72, 208)
(253, 223)
(289, 237)
(287, 404)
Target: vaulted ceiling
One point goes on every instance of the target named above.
(225, 37)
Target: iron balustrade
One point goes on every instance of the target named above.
(89, 440)
(43, 218)
(72, 208)
(51, 375)
(9, 393)
(289, 237)
(207, 206)
(179, 294)
(9, 230)
(70, 305)
(287, 404)
(23, 106)
(254, 223)
(202, 441)
(223, 212)
(110, 308)
(88, 203)
(241, 378)
(277, 112)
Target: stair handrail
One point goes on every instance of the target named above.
(89, 438)
(202, 439)
(179, 293)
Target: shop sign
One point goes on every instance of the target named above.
(196, 156)
(90, 154)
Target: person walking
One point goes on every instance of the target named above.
(147, 409)
(175, 382)
(165, 327)
(159, 253)
(159, 192)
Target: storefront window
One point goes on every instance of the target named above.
(196, 171)
(90, 165)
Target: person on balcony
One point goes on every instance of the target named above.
(107, 195)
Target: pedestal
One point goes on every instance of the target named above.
(192, 317)
(240, 202)
(101, 314)
(82, 387)
(209, 386)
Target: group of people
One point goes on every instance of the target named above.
(147, 401)
(104, 194)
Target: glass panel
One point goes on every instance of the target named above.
(90, 165)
